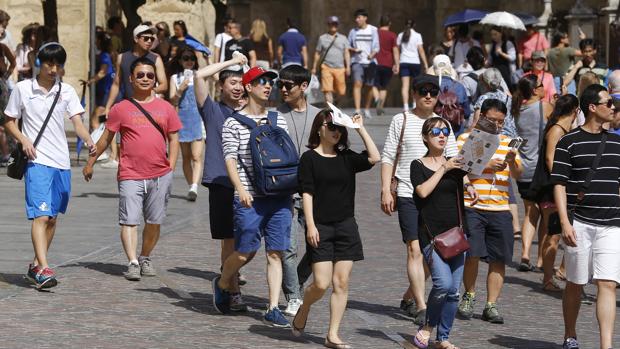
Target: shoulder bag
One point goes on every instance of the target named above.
(399, 148)
(18, 160)
(554, 225)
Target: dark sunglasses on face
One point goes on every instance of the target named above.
(609, 103)
(188, 58)
(141, 75)
(288, 85)
(147, 38)
(435, 131)
(332, 127)
(423, 91)
(264, 81)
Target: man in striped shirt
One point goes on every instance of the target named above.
(592, 239)
(489, 220)
(254, 216)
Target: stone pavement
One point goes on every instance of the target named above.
(95, 307)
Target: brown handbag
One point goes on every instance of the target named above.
(451, 242)
(394, 180)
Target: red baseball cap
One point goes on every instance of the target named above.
(255, 73)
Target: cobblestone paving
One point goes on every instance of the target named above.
(95, 307)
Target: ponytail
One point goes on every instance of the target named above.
(525, 90)
(407, 31)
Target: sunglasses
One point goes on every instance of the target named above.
(423, 91)
(332, 127)
(288, 85)
(147, 38)
(141, 75)
(188, 58)
(436, 131)
(264, 81)
(609, 103)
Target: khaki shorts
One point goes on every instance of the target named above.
(333, 79)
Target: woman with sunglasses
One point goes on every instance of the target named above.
(191, 136)
(327, 182)
(438, 183)
(530, 113)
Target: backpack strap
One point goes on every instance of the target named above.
(244, 120)
(272, 116)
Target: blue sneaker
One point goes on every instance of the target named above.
(42, 278)
(32, 272)
(274, 317)
(221, 298)
(570, 343)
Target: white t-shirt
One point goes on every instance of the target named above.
(220, 42)
(409, 50)
(460, 50)
(363, 41)
(29, 103)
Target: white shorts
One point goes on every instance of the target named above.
(597, 254)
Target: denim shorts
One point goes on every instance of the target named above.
(364, 73)
(47, 190)
(409, 69)
(269, 217)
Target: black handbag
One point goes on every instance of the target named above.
(18, 160)
(554, 226)
(541, 181)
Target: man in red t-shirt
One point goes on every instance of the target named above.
(145, 168)
(387, 63)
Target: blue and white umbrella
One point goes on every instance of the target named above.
(466, 16)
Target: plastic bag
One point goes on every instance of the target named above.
(314, 95)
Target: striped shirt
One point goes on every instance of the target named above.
(236, 145)
(572, 161)
(413, 148)
(492, 186)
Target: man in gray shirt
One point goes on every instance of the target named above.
(333, 59)
(299, 115)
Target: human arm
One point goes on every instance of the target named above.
(422, 55)
(173, 151)
(162, 81)
(312, 233)
(571, 73)
(568, 232)
(347, 62)
(82, 132)
(10, 125)
(553, 136)
(114, 89)
(216, 53)
(515, 166)
(252, 58)
(304, 56)
(279, 55)
(373, 153)
(315, 62)
(244, 197)
(388, 204)
(270, 50)
(9, 55)
(396, 55)
(200, 84)
(427, 187)
(98, 76)
(103, 143)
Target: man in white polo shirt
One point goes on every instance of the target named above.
(48, 174)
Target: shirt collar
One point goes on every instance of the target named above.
(292, 30)
(36, 87)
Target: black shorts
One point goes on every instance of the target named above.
(524, 190)
(407, 218)
(338, 241)
(490, 235)
(221, 211)
(383, 75)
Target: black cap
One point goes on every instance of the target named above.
(425, 79)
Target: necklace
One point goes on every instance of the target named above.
(299, 138)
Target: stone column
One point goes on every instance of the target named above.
(611, 31)
(580, 16)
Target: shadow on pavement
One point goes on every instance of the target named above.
(99, 195)
(379, 309)
(106, 268)
(18, 280)
(372, 333)
(205, 274)
(284, 334)
(515, 342)
(534, 286)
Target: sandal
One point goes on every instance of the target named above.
(420, 341)
(525, 266)
(552, 285)
(445, 345)
(330, 344)
(298, 331)
(560, 275)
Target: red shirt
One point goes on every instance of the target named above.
(143, 153)
(387, 41)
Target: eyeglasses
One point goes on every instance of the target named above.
(141, 75)
(264, 81)
(423, 91)
(435, 131)
(188, 58)
(498, 123)
(332, 127)
(147, 38)
(288, 85)
(609, 103)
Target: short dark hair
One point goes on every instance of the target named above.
(52, 53)
(360, 12)
(557, 37)
(385, 20)
(141, 61)
(590, 96)
(4, 16)
(493, 103)
(587, 42)
(114, 20)
(295, 73)
(314, 140)
(475, 57)
(463, 30)
(225, 74)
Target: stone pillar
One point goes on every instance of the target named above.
(580, 16)
(611, 31)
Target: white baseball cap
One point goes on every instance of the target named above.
(142, 28)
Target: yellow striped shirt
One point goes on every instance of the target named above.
(492, 187)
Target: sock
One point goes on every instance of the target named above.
(406, 106)
(489, 304)
(134, 262)
(193, 187)
(471, 294)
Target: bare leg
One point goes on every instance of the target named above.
(470, 274)
(606, 310)
(571, 302)
(150, 236)
(416, 274)
(495, 280)
(516, 221)
(372, 95)
(42, 233)
(329, 97)
(550, 247)
(231, 267)
(530, 222)
(338, 301)
(357, 95)
(197, 160)
(321, 279)
(114, 150)
(404, 89)
(274, 277)
(186, 153)
(129, 238)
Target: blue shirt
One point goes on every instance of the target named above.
(213, 115)
(103, 86)
(292, 41)
(616, 96)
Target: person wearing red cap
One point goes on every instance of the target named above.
(255, 215)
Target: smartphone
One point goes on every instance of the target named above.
(188, 74)
(517, 143)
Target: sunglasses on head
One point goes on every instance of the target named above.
(332, 127)
(264, 81)
(188, 58)
(288, 85)
(423, 91)
(609, 103)
(147, 38)
(141, 75)
(436, 131)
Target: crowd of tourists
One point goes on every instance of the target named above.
(282, 170)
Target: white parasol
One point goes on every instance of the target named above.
(503, 19)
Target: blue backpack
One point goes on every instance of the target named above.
(274, 157)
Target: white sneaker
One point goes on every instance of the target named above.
(367, 114)
(110, 164)
(192, 194)
(293, 306)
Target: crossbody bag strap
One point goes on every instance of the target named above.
(597, 159)
(322, 58)
(540, 124)
(400, 145)
(458, 206)
(48, 117)
(149, 117)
